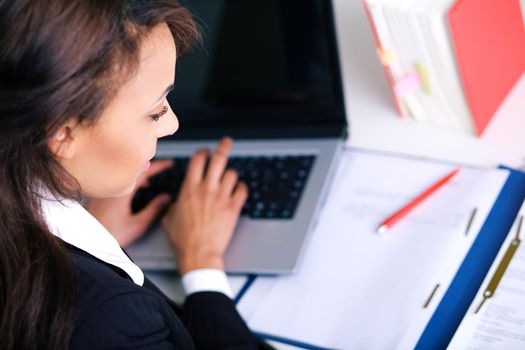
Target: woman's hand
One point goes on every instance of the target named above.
(115, 213)
(200, 224)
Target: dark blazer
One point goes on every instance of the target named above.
(115, 313)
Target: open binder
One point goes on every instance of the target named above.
(443, 324)
(455, 302)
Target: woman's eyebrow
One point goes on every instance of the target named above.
(166, 91)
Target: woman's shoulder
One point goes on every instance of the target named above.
(100, 278)
(113, 311)
(101, 285)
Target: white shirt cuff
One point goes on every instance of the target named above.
(206, 280)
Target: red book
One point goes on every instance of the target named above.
(489, 41)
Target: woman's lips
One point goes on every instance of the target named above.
(146, 165)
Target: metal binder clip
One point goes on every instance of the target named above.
(431, 296)
(504, 263)
(471, 220)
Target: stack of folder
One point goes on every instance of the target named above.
(449, 62)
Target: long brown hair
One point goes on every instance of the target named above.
(59, 59)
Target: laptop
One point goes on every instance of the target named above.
(268, 75)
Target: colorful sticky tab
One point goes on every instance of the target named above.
(406, 85)
(385, 56)
(421, 68)
(403, 108)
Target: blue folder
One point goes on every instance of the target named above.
(465, 285)
(446, 319)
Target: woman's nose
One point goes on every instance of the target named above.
(169, 124)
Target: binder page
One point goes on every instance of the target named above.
(499, 322)
(356, 289)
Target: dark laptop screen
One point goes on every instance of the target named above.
(262, 62)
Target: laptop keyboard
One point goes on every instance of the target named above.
(275, 184)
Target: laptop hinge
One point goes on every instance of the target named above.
(209, 132)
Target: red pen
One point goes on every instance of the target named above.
(388, 223)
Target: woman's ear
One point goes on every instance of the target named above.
(63, 143)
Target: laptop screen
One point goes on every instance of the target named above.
(261, 62)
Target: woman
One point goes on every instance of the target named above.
(83, 87)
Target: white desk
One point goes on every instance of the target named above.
(375, 125)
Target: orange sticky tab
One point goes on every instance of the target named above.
(385, 56)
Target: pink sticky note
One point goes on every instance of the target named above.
(407, 84)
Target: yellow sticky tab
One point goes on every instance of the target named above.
(385, 56)
(406, 110)
(423, 76)
(403, 108)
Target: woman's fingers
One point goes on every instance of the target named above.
(232, 189)
(200, 224)
(240, 195)
(215, 177)
(146, 216)
(196, 168)
(229, 180)
(218, 162)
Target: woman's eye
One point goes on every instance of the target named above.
(155, 117)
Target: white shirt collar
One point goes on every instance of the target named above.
(69, 221)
